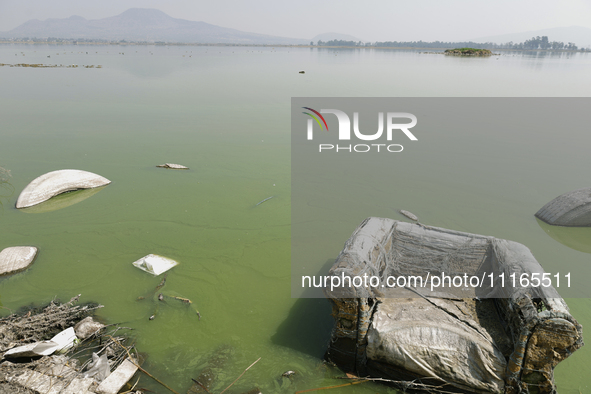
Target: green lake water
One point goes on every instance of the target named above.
(225, 113)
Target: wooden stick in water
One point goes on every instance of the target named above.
(266, 199)
(241, 373)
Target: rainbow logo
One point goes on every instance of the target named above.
(315, 118)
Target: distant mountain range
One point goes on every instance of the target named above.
(142, 24)
(581, 36)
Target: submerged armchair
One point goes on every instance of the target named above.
(480, 333)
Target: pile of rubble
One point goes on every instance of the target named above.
(82, 356)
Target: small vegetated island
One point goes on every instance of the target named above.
(468, 52)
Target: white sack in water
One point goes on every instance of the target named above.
(155, 264)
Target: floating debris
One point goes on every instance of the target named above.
(262, 201)
(16, 258)
(572, 209)
(57, 373)
(155, 264)
(302, 72)
(288, 374)
(409, 215)
(98, 368)
(173, 166)
(496, 337)
(161, 297)
(57, 182)
(37, 325)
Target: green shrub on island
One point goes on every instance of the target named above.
(468, 52)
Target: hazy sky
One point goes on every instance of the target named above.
(369, 20)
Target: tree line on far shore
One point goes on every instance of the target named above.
(533, 43)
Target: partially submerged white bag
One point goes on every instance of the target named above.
(155, 264)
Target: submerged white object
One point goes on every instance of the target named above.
(16, 258)
(173, 166)
(62, 341)
(57, 182)
(155, 264)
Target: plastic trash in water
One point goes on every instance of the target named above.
(98, 367)
(61, 342)
(65, 339)
(155, 264)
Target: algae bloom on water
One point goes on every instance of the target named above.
(468, 52)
